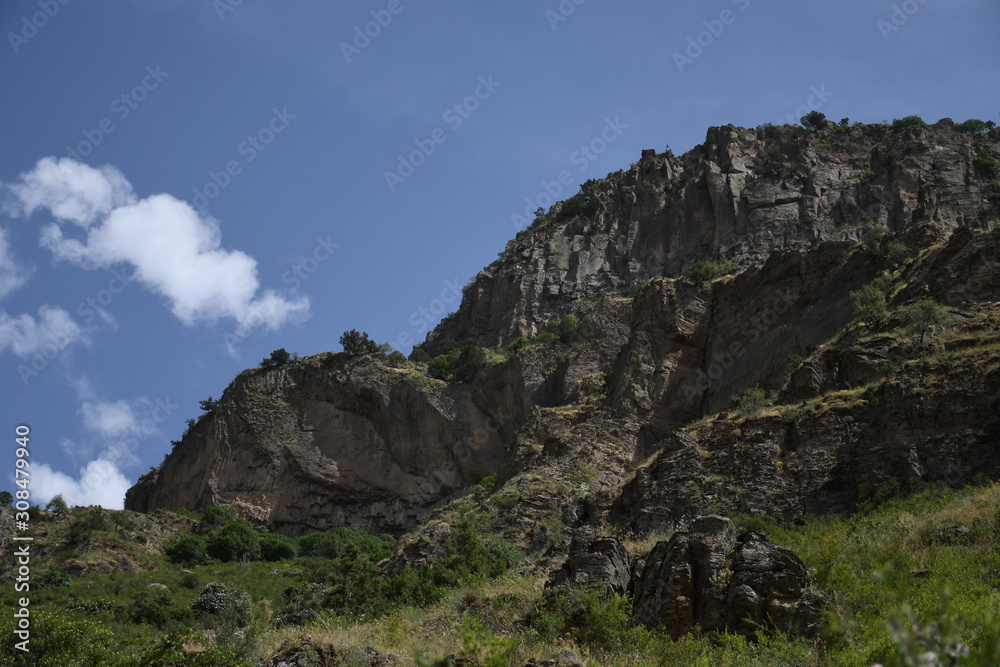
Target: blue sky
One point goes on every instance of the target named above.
(187, 185)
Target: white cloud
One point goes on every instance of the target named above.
(13, 275)
(71, 191)
(109, 419)
(50, 334)
(101, 483)
(176, 251)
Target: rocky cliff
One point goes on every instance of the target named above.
(640, 419)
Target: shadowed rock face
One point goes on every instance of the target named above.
(721, 582)
(330, 442)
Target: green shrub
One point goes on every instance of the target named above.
(89, 521)
(189, 549)
(972, 126)
(908, 121)
(397, 358)
(227, 601)
(214, 517)
(923, 316)
(279, 357)
(870, 304)
(60, 641)
(274, 547)
(419, 355)
(814, 120)
(236, 541)
(458, 361)
(986, 162)
(751, 402)
(867, 175)
(57, 504)
(518, 344)
(356, 343)
(333, 543)
(707, 270)
(565, 329)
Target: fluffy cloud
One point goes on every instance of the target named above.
(48, 335)
(176, 251)
(101, 483)
(71, 191)
(109, 419)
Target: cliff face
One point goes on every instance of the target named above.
(741, 195)
(632, 419)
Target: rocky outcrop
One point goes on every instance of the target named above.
(594, 561)
(331, 441)
(858, 417)
(720, 582)
(742, 195)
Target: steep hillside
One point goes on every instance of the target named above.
(689, 281)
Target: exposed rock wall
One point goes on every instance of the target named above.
(741, 195)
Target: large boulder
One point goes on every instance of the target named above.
(723, 582)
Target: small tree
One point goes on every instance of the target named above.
(972, 126)
(923, 316)
(356, 343)
(814, 120)
(908, 121)
(869, 303)
(6, 499)
(58, 503)
(278, 358)
(209, 404)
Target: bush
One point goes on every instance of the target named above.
(706, 270)
(274, 547)
(565, 329)
(356, 343)
(58, 640)
(90, 521)
(189, 549)
(419, 355)
(397, 358)
(814, 120)
(279, 357)
(214, 517)
(987, 163)
(908, 121)
(226, 601)
(237, 541)
(869, 303)
(209, 404)
(751, 403)
(923, 316)
(57, 504)
(333, 543)
(972, 126)
(459, 361)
